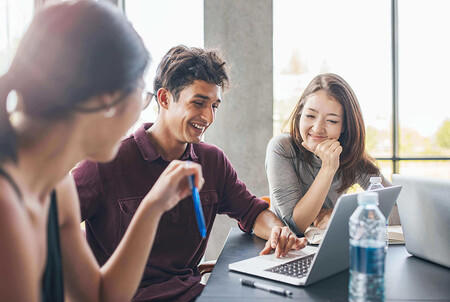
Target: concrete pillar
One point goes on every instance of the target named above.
(242, 30)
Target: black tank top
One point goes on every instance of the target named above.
(52, 281)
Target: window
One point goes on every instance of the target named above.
(313, 37)
(162, 25)
(354, 39)
(423, 103)
(15, 16)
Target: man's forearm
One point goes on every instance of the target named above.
(264, 223)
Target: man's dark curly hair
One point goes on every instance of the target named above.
(182, 65)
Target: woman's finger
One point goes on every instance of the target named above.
(324, 147)
(338, 150)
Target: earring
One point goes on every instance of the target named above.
(16, 116)
(12, 101)
(110, 112)
(17, 120)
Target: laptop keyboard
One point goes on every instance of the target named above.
(297, 268)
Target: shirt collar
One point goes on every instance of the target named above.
(148, 150)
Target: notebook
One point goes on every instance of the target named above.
(312, 264)
(424, 208)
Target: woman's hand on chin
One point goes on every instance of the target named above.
(328, 151)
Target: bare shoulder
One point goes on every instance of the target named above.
(18, 258)
(15, 224)
(11, 207)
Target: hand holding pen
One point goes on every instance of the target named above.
(173, 184)
(197, 206)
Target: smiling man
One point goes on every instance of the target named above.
(188, 86)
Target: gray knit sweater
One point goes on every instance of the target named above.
(290, 178)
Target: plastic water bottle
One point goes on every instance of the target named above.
(367, 253)
(375, 183)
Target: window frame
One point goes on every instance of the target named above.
(395, 158)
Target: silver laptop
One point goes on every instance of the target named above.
(424, 208)
(312, 264)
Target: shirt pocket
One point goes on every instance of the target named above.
(183, 214)
(127, 208)
(210, 201)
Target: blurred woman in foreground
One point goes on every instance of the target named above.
(73, 90)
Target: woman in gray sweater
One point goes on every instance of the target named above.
(322, 156)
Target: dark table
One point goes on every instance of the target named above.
(407, 278)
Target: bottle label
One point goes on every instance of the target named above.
(367, 260)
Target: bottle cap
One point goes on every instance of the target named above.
(368, 198)
(375, 179)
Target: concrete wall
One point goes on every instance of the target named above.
(242, 31)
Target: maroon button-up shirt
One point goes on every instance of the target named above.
(111, 193)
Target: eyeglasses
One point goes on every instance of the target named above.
(146, 98)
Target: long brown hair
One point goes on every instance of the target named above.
(70, 52)
(353, 159)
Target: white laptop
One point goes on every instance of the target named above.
(312, 264)
(424, 208)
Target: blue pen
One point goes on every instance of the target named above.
(198, 207)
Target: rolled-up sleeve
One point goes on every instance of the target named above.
(284, 184)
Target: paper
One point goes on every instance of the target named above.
(395, 234)
(314, 235)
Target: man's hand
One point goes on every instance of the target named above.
(172, 185)
(323, 218)
(282, 240)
